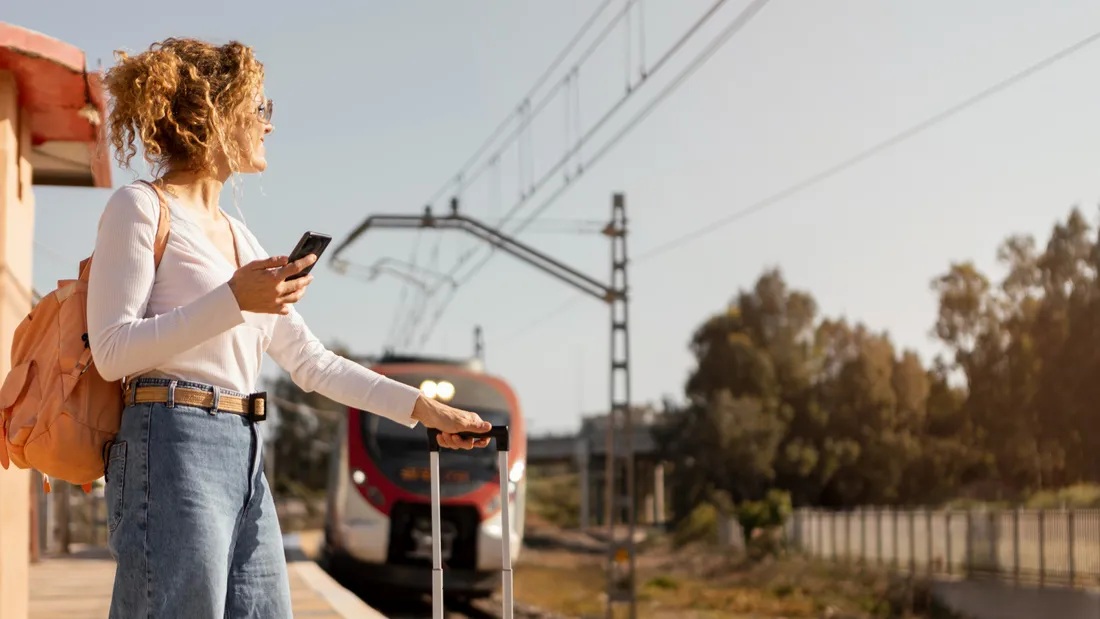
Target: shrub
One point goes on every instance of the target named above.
(770, 512)
(700, 525)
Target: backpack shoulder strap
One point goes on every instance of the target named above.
(164, 224)
(160, 242)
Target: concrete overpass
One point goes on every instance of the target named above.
(586, 451)
(564, 448)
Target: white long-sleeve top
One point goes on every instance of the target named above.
(183, 321)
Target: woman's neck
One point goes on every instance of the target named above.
(197, 191)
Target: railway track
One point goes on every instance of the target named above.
(389, 603)
(394, 605)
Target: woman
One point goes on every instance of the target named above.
(191, 519)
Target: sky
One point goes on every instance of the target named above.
(379, 104)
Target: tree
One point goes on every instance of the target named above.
(304, 437)
(1026, 349)
(831, 412)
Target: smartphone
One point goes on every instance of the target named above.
(310, 243)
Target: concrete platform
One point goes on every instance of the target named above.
(78, 586)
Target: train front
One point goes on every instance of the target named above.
(385, 520)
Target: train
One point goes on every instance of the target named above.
(377, 529)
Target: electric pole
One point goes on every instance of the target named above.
(620, 557)
(479, 345)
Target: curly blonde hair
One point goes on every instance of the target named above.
(183, 99)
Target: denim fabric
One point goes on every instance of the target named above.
(191, 518)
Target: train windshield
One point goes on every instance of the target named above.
(401, 453)
(393, 440)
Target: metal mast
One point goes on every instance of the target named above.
(620, 560)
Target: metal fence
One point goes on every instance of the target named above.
(1026, 546)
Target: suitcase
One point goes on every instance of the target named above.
(500, 433)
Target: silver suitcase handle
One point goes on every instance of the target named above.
(501, 434)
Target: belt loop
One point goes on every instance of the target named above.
(217, 400)
(133, 393)
(172, 394)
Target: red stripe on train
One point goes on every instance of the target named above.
(389, 492)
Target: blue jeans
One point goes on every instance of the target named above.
(190, 516)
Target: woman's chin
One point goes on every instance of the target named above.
(256, 165)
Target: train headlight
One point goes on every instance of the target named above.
(359, 477)
(430, 388)
(445, 390)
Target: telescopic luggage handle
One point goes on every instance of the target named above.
(500, 433)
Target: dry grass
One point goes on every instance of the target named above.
(573, 591)
(701, 582)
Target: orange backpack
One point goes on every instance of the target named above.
(59, 414)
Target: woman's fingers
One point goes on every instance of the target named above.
(453, 441)
(293, 291)
(297, 266)
(258, 287)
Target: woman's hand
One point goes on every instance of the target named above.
(449, 421)
(260, 285)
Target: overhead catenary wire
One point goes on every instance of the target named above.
(413, 318)
(53, 254)
(697, 62)
(657, 66)
(465, 179)
(400, 310)
(743, 18)
(543, 319)
(462, 179)
(828, 172)
(745, 15)
(866, 154)
(629, 4)
(436, 316)
(530, 93)
(525, 109)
